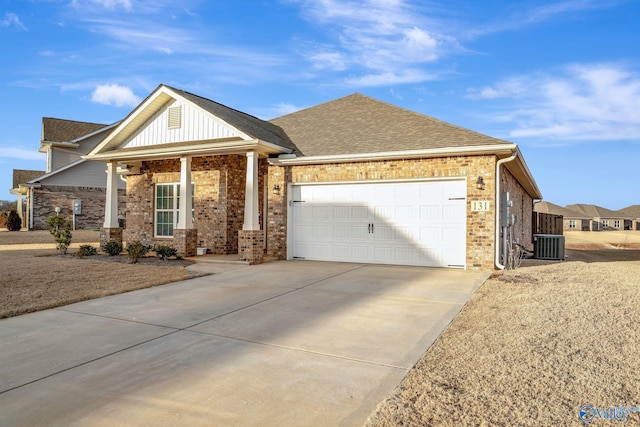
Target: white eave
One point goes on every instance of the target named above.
(499, 150)
(197, 148)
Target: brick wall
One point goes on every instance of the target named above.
(219, 187)
(47, 197)
(522, 208)
(480, 225)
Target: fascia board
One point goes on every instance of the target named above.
(498, 149)
(211, 148)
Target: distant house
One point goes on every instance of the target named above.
(571, 220)
(23, 176)
(602, 218)
(353, 180)
(68, 177)
(632, 212)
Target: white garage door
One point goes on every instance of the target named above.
(408, 223)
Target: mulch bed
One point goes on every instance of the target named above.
(124, 259)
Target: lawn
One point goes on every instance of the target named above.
(34, 278)
(531, 348)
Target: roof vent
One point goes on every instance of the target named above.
(174, 119)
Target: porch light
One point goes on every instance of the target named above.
(480, 183)
(276, 188)
(57, 209)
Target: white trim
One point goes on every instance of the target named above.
(251, 217)
(197, 148)
(384, 181)
(394, 155)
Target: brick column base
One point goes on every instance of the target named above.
(185, 241)
(251, 245)
(109, 234)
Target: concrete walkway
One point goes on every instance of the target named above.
(282, 343)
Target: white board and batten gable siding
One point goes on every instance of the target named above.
(195, 125)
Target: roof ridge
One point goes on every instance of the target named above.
(215, 102)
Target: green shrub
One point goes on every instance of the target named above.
(86, 250)
(14, 222)
(60, 229)
(165, 252)
(112, 248)
(136, 250)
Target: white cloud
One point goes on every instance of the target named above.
(107, 4)
(113, 94)
(12, 19)
(13, 152)
(581, 102)
(392, 78)
(388, 39)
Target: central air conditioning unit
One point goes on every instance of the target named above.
(548, 246)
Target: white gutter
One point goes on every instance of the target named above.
(391, 155)
(498, 208)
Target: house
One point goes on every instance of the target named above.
(69, 178)
(633, 213)
(354, 179)
(602, 218)
(21, 176)
(572, 220)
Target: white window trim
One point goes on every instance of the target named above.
(175, 210)
(572, 223)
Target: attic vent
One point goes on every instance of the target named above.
(175, 117)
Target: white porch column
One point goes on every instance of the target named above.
(20, 209)
(251, 193)
(111, 205)
(185, 219)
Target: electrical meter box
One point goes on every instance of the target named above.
(77, 207)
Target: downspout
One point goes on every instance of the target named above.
(498, 208)
(30, 227)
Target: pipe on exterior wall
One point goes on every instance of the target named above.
(500, 162)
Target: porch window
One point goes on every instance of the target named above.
(166, 209)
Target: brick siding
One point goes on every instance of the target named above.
(47, 198)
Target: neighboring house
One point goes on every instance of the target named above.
(21, 176)
(633, 213)
(602, 218)
(354, 179)
(571, 220)
(68, 178)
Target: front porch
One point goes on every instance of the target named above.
(226, 218)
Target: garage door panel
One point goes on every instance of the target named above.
(412, 223)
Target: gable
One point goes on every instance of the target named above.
(180, 121)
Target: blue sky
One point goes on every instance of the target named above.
(559, 78)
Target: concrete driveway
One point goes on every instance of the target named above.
(282, 343)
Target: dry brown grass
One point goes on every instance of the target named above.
(530, 348)
(33, 278)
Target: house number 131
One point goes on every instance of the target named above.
(480, 206)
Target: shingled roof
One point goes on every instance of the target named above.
(550, 208)
(253, 126)
(61, 130)
(21, 176)
(359, 124)
(632, 211)
(594, 211)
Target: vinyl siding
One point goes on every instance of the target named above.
(87, 174)
(195, 126)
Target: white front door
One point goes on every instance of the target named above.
(406, 223)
